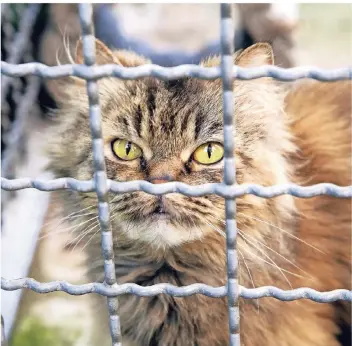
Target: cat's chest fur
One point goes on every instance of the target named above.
(166, 320)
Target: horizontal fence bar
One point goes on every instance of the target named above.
(219, 189)
(170, 73)
(298, 293)
(185, 291)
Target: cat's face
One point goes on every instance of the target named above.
(163, 131)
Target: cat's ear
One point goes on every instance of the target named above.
(256, 55)
(130, 59)
(61, 89)
(103, 54)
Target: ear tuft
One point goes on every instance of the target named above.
(130, 59)
(103, 54)
(256, 55)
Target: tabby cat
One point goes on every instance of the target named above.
(162, 131)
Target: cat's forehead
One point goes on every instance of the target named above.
(164, 113)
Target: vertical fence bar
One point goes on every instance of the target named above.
(100, 178)
(227, 49)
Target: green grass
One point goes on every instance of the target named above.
(33, 332)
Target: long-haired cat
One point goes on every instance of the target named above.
(163, 131)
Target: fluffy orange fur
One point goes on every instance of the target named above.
(303, 136)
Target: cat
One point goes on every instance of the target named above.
(163, 131)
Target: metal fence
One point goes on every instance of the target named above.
(228, 189)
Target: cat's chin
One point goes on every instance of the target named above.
(159, 231)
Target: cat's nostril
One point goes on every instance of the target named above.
(159, 181)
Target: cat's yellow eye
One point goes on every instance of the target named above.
(126, 150)
(209, 153)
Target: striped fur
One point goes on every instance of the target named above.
(276, 142)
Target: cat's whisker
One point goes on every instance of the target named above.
(261, 250)
(222, 221)
(79, 238)
(96, 232)
(66, 217)
(86, 214)
(74, 217)
(80, 235)
(113, 217)
(222, 233)
(249, 273)
(73, 227)
(70, 229)
(266, 255)
(51, 234)
(271, 263)
(266, 262)
(277, 253)
(282, 230)
(90, 239)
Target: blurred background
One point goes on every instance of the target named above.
(33, 241)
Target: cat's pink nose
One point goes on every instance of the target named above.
(160, 180)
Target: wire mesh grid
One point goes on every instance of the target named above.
(228, 189)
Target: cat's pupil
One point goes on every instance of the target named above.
(128, 148)
(209, 150)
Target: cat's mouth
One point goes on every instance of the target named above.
(162, 222)
(161, 211)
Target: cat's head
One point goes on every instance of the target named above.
(162, 131)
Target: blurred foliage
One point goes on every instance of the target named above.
(33, 332)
